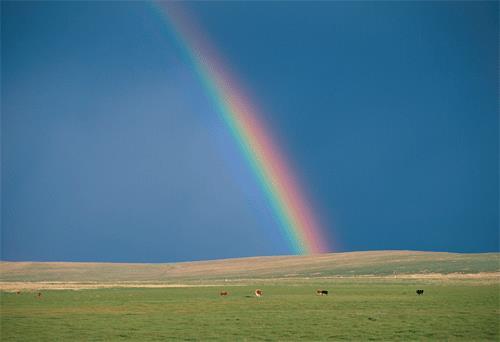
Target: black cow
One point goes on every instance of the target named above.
(420, 292)
(322, 292)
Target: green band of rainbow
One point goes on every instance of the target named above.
(294, 214)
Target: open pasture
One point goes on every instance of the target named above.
(355, 309)
(371, 296)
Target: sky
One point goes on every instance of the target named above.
(112, 150)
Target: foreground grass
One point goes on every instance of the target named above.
(354, 310)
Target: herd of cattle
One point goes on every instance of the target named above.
(259, 293)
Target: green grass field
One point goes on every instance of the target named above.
(372, 297)
(354, 310)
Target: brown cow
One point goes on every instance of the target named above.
(224, 293)
(258, 293)
(18, 292)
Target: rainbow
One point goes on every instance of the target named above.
(281, 188)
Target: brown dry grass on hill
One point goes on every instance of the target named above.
(376, 264)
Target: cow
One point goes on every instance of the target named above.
(18, 292)
(321, 292)
(258, 293)
(39, 295)
(420, 292)
(224, 293)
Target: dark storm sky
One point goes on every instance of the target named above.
(111, 149)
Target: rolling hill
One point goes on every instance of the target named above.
(373, 263)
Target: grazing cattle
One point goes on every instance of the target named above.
(18, 292)
(224, 293)
(258, 293)
(321, 292)
(420, 292)
(39, 295)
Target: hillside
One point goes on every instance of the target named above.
(378, 263)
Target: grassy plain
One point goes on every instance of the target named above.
(354, 310)
(461, 302)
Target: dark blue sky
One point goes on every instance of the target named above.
(112, 151)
